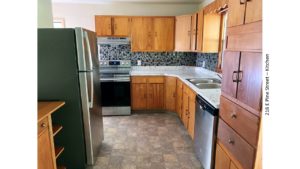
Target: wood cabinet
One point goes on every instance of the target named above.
(103, 25)
(118, 26)
(179, 93)
(152, 34)
(242, 78)
(194, 32)
(211, 32)
(139, 96)
(199, 39)
(48, 152)
(170, 93)
(244, 11)
(183, 33)
(164, 31)
(188, 110)
(142, 34)
(223, 160)
(147, 93)
(121, 26)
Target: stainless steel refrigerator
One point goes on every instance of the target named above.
(68, 70)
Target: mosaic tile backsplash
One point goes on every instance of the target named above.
(210, 59)
(123, 52)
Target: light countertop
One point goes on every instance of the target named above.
(183, 73)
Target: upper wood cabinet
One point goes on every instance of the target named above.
(244, 11)
(170, 93)
(183, 33)
(152, 34)
(199, 38)
(194, 32)
(121, 26)
(142, 34)
(103, 25)
(118, 26)
(164, 31)
(211, 32)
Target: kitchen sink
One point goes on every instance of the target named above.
(204, 80)
(206, 83)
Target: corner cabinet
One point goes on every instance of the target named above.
(48, 152)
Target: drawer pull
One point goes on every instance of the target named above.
(233, 116)
(43, 125)
(230, 141)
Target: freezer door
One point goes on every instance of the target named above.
(84, 51)
(92, 113)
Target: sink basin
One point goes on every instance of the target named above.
(204, 80)
(208, 85)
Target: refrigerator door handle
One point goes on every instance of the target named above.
(89, 49)
(91, 102)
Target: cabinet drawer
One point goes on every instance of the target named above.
(239, 148)
(243, 122)
(138, 79)
(155, 79)
(42, 125)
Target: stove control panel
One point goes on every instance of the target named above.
(115, 63)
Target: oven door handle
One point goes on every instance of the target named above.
(115, 80)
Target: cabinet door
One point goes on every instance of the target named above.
(183, 33)
(142, 34)
(222, 160)
(191, 125)
(211, 32)
(45, 156)
(138, 96)
(179, 97)
(185, 109)
(164, 29)
(121, 26)
(236, 12)
(250, 85)
(230, 68)
(103, 25)
(233, 166)
(194, 32)
(253, 11)
(200, 20)
(170, 93)
(155, 99)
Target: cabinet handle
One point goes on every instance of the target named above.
(231, 141)
(234, 74)
(43, 124)
(233, 115)
(240, 73)
(242, 2)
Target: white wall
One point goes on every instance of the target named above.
(82, 15)
(45, 19)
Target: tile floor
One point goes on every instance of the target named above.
(146, 141)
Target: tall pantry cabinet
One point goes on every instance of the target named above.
(241, 97)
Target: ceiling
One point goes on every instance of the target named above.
(130, 1)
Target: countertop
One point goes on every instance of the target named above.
(183, 73)
(46, 108)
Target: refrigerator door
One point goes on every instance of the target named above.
(92, 113)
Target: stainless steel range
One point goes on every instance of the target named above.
(115, 87)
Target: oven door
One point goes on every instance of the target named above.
(115, 97)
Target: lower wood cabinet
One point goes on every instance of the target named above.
(179, 93)
(188, 110)
(223, 160)
(170, 93)
(147, 93)
(46, 155)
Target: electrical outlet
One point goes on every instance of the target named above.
(203, 64)
(139, 62)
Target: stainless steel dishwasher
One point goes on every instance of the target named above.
(206, 119)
